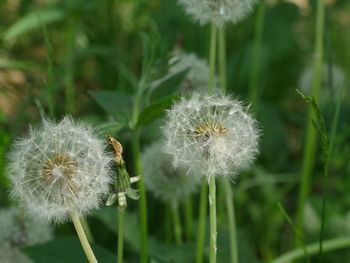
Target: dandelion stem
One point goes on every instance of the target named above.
(143, 201)
(231, 218)
(177, 224)
(212, 57)
(310, 147)
(188, 218)
(121, 217)
(87, 230)
(226, 183)
(222, 60)
(202, 222)
(256, 60)
(212, 211)
(83, 239)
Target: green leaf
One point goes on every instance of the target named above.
(116, 104)
(155, 110)
(67, 250)
(32, 21)
(168, 86)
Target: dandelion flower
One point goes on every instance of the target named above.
(59, 168)
(211, 135)
(19, 231)
(218, 11)
(163, 180)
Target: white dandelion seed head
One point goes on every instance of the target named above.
(218, 11)
(326, 94)
(18, 231)
(211, 135)
(161, 178)
(198, 71)
(58, 168)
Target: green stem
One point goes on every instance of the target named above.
(121, 217)
(177, 224)
(313, 249)
(188, 218)
(256, 60)
(83, 239)
(87, 230)
(222, 60)
(202, 222)
(212, 57)
(310, 147)
(143, 201)
(69, 69)
(212, 212)
(231, 218)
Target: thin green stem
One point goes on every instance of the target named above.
(121, 217)
(310, 146)
(177, 225)
(313, 249)
(188, 218)
(143, 201)
(69, 69)
(228, 195)
(231, 218)
(87, 230)
(256, 60)
(202, 222)
(83, 239)
(212, 57)
(213, 226)
(222, 60)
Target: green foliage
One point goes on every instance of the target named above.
(68, 250)
(33, 21)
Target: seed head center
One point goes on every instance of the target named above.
(59, 166)
(205, 131)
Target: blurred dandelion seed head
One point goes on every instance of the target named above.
(19, 231)
(59, 167)
(163, 180)
(218, 11)
(336, 78)
(211, 135)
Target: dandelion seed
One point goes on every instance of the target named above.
(59, 168)
(218, 11)
(19, 231)
(211, 135)
(163, 180)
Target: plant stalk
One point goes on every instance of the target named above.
(188, 218)
(212, 57)
(142, 201)
(202, 222)
(121, 217)
(311, 137)
(177, 225)
(83, 239)
(256, 60)
(231, 218)
(213, 226)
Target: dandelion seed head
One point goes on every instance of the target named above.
(18, 231)
(163, 180)
(211, 135)
(59, 167)
(218, 11)
(326, 94)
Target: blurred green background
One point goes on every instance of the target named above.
(58, 57)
